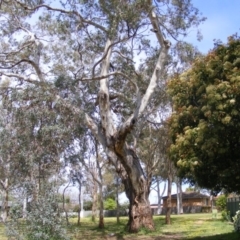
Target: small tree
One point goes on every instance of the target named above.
(221, 202)
(98, 41)
(206, 119)
(110, 204)
(42, 222)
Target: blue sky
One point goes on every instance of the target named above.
(223, 20)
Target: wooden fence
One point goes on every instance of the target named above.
(233, 205)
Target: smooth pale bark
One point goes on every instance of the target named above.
(169, 193)
(113, 139)
(4, 207)
(79, 203)
(97, 192)
(25, 201)
(63, 204)
(95, 200)
(100, 185)
(160, 195)
(179, 196)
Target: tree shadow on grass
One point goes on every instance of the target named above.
(226, 236)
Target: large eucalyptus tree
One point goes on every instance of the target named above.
(112, 56)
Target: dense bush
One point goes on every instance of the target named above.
(43, 221)
(221, 203)
(76, 208)
(236, 221)
(110, 204)
(225, 215)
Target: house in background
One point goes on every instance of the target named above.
(192, 202)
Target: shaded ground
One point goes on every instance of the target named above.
(168, 237)
(183, 227)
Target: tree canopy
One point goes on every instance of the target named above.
(205, 124)
(99, 67)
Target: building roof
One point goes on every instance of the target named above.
(188, 195)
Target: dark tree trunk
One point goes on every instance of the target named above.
(117, 193)
(137, 191)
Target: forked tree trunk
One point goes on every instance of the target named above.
(114, 139)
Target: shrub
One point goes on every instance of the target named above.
(225, 215)
(43, 221)
(87, 205)
(110, 204)
(221, 202)
(76, 208)
(236, 221)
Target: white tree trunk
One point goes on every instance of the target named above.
(4, 207)
(160, 195)
(179, 196)
(113, 139)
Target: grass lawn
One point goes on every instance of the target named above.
(186, 226)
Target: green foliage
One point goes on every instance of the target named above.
(43, 221)
(225, 215)
(236, 221)
(205, 124)
(60, 198)
(110, 204)
(87, 205)
(76, 208)
(221, 202)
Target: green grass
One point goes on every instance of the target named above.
(186, 226)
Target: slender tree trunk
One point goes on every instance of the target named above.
(4, 207)
(180, 196)
(117, 209)
(101, 208)
(160, 195)
(80, 204)
(101, 213)
(114, 140)
(169, 200)
(95, 201)
(63, 205)
(25, 202)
